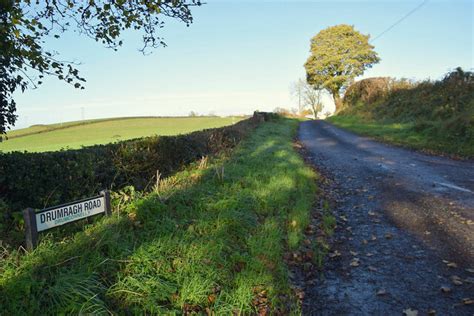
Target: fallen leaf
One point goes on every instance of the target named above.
(410, 312)
(431, 312)
(470, 270)
(373, 269)
(373, 237)
(371, 213)
(381, 292)
(388, 236)
(300, 294)
(211, 298)
(469, 280)
(365, 242)
(445, 289)
(369, 254)
(354, 253)
(355, 262)
(467, 301)
(452, 265)
(334, 254)
(456, 280)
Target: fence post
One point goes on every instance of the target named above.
(31, 230)
(108, 207)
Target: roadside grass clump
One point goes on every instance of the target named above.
(201, 242)
(326, 225)
(435, 116)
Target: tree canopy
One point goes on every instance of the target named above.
(338, 55)
(25, 24)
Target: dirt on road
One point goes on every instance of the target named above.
(404, 241)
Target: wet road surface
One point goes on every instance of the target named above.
(405, 228)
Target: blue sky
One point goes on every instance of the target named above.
(239, 56)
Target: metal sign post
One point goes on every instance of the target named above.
(30, 228)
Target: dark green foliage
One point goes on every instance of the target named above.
(39, 180)
(440, 113)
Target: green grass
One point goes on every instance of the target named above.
(404, 134)
(40, 138)
(209, 239)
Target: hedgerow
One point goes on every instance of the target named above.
(40, 180)
(436, 115)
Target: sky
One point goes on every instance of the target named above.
(241, 56)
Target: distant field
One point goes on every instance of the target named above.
(72, 135)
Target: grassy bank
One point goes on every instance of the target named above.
(73, 135)
(405, 134)
(209, 239)
(31, 179)
(434, 116)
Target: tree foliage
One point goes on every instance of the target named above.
(338, 55)
(25, 24)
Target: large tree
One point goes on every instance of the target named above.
(338, 55)
(25, 24)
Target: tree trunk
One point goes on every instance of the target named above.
(337, 100)
(315, 114)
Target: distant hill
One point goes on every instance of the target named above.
(72, 135)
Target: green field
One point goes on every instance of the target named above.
(72, 135)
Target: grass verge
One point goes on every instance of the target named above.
(405, 134)
(210, 239)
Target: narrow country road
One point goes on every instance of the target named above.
(404, 240)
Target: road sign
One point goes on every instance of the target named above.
(63, 214)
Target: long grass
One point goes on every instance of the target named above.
(210, 239)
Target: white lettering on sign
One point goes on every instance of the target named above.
(69, 213)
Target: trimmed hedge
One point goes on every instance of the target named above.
(40, 180)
